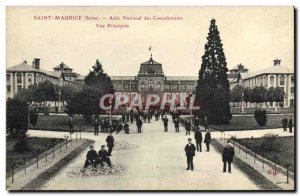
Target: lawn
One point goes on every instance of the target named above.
(60, 123)
(238, 123)
(283, 152)
(17, 158)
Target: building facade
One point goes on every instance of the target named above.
(23, 75)
(275, 76)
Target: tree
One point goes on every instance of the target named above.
(278, 95)
(236, 94)
(247, 95)
(86, 101)
(67, 92)
(17, 117)
(259, 94)
(212, 85)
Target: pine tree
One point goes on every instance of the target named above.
(213, 86)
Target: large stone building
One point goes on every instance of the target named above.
(23, 75)
(275, 76)
(151, 79)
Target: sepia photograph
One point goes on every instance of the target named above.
(150, 98)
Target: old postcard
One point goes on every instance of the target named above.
(150, 98)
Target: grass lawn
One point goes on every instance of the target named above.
(12, 156)
(284, 150)
(60, 123)
(238, 123)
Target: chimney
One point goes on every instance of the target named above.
(37, 63)
(277, 62)
(33, 63)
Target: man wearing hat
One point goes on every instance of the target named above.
(207, 139)
(110, 143)
(227, 156)
(190, 153)
(104, 156)
(91, 158)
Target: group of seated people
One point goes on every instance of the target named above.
(93, 158)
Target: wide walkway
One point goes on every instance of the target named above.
(158, 163)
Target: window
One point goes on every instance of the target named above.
(19, 78)
(29, 76)
(292, 79)
(19, 87)
(151, 84)
(8, 77)
(8, 87)
(281, 80)
(158, 86)
(272, 80)
(292, 89)
(142, 85)
(292, 103)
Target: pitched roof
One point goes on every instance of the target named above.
(169, 78)
(239, 66)
(22, 67)
(63, 65)
(122, 77)
(278, 69)
(151, 62)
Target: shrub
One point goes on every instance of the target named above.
(33, 117)
(46, 111)
(22, 145)
(269, 142)
(260, 117)
(17, 117)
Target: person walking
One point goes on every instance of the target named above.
(284, 123)
(227, 156)
(190, 153)
(176, 123)
(290, 125)
(187, 127)
(207, 139)
(139, 124)
(110, 143)
(166, 123)
(198, 139)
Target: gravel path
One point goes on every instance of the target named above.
(157, 162)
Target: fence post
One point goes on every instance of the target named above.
(66, 143)
(60, 147)
(263, 162)
(76, 137)
(37, 159)
(254, 155)
(46, 152)
(24, 164)
(246, 152)
(53, 149)
(12, 173)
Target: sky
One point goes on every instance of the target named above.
(253, 36)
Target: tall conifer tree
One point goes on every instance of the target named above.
(213, 86)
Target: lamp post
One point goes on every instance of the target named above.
(243, 102)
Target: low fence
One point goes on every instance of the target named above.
(249, 154)
(39, 157)
(251, 110)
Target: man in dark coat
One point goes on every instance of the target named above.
(91, 158)
(198, 138)
(126, 128)
(227, 156)
(96, 126)
(207, 139)
(110, 143)
(284, 123)
(123, 117)
(166, 123)
(104, 156)
(176, 123)
(188, 127)
(291, 125)
(190, 153)
(139, 124)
